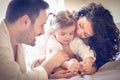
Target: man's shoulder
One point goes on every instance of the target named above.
(4, 35)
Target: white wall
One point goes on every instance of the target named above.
(112, 5)
(3, 7)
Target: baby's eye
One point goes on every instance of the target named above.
(71, 33)
(62, 34)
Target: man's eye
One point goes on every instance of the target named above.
(42, 25)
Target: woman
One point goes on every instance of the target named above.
(95, 23)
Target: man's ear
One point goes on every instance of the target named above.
(25, 21)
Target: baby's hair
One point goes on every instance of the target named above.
(53, 15)
(62, 19)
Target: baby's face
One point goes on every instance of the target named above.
(65, 35)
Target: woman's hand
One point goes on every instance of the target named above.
(61, 74)
(86, 65)
(90, 72)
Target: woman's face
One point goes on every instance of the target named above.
(84, 28)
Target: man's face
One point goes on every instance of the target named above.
(35, 29)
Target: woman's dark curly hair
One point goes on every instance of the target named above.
(105, 41)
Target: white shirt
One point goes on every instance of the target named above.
(77, 46)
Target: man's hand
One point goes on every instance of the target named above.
(55, 59)
(62, 74)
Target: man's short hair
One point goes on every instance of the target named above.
(18, 8)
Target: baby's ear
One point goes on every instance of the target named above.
(51, 30)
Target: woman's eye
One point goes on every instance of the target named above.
(80, 25)
(86, 35)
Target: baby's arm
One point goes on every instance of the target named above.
(38, 61)
(72, 65)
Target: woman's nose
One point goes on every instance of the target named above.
(79, 31)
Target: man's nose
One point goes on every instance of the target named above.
(42, 31)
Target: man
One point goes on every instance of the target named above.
(24, 21)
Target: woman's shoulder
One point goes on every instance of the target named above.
(77, 40)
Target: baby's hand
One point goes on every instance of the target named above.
(73, 65)
(38, 61)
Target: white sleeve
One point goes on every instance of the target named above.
(53, 45)
(81, 49)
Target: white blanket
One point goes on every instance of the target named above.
(109, 71)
